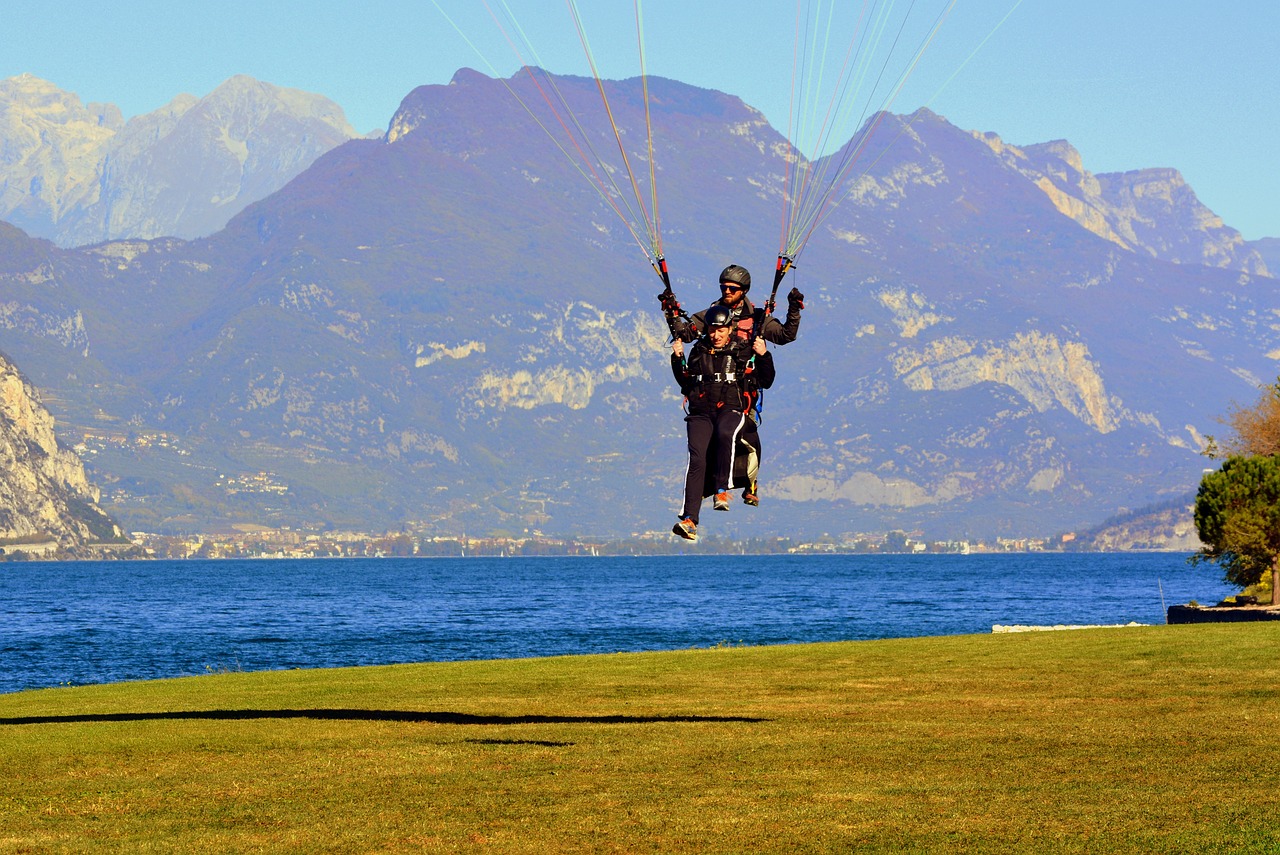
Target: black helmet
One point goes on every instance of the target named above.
(718, 316)
(736, 274)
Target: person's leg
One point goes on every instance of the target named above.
(700, 428)
(750, 437)
(728, 424)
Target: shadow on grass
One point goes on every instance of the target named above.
(410, 716)
(545, 743)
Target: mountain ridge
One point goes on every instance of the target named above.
(81, 175)
(1128, 208)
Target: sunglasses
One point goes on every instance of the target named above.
(732, 289)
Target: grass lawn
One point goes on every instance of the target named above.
(1152, 739)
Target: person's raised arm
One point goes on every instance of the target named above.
(763, 370)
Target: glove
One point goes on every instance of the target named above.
(680, 330)
(669, 305)
(795, 300)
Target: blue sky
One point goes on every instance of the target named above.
(1130, 83)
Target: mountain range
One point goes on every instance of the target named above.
(79, 174)
(447, 329)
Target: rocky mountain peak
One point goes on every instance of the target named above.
(50, 148)
(39, 97)
(465, 76)
(463, 114)
(1057, 151)
(1151, 211)
(1159, 213)
(260, 100)
(81, 175)
(426, 106)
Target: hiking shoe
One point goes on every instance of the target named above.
(686, 528)
(721, 502)
(750, 497)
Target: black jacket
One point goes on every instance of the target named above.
(745, 314)
(711, 378)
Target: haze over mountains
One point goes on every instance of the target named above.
(447, 328)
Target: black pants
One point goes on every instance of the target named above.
(705, 426)
(746, 460)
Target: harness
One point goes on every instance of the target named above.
(718, 369)
(719, 379)
(726, 361)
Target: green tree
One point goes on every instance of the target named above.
(1237, 516)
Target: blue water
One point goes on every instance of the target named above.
(89, 622)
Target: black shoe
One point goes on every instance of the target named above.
(749, 495)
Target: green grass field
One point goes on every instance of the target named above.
(1152, 739)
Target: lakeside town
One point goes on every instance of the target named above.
(262, 542)
(284, 543)
(267, 543)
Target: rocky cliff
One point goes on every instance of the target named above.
(44, 496)
(80, 175)
(51, 151)
(1152, 211)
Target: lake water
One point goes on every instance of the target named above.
(95, 622)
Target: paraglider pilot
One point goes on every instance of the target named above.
(716, 378)
(748, 321)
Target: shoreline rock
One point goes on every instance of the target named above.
(996, 627)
